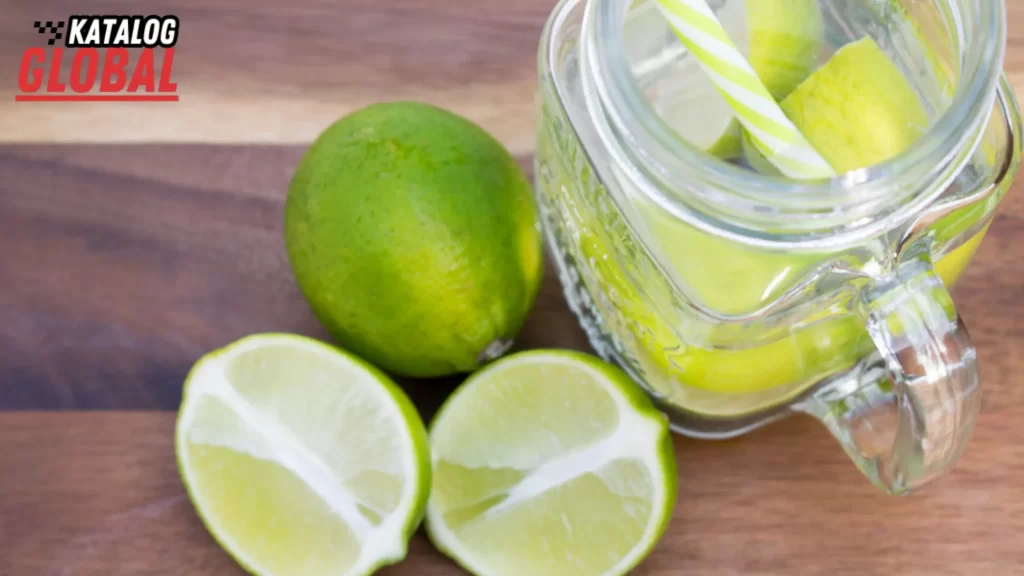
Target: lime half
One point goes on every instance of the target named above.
(300, 458)
(550, 462)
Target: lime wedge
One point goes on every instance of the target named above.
(550, 462)
(301, 459)
(858, 109)
(782, 40)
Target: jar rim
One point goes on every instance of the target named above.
(675, 165)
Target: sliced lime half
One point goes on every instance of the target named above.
(550, 463)
(300, 458)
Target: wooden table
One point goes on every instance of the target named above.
(134, 238)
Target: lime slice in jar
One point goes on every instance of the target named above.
(782, 40)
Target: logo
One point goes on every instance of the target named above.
(101, 59)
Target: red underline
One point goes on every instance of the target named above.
(95, 97)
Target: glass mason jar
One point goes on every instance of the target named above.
(736, 299)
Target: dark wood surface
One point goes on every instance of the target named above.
(97, 494)
(272, 72)
(123, 262)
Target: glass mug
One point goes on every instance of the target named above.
(736, 299)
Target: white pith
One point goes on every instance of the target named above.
(385, 541)
(637, 438)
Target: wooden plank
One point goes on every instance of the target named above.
(251, 71)
(123, 264)
(282, 71)
(98, 494)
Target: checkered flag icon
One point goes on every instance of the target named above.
(49, 26)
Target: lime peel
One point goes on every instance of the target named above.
(413, 235)
(857, 110)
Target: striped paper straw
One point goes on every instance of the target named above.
(775, 136)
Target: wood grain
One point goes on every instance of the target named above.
(97, 494)
(124, 264)
(282, 71)
(278, 72)
(120, 264)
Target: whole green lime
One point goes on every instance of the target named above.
(413, 235)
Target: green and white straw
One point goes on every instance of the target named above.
(696, 26)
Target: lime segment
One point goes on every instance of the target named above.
(301, 459)
(550, 463)
(858, 109)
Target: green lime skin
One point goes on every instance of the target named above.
(413, 234)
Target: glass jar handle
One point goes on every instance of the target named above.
(906, 417)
